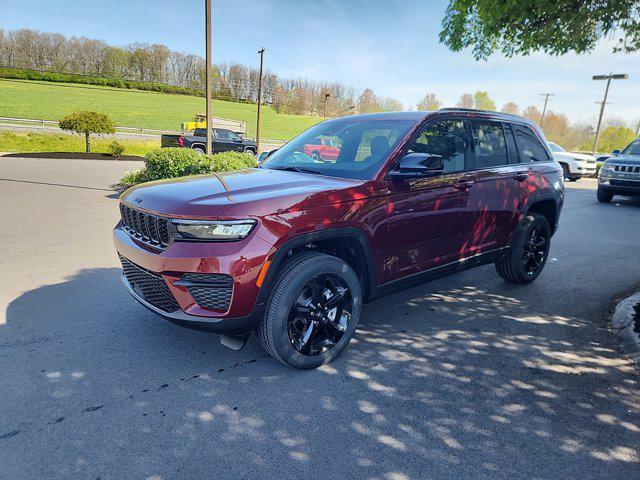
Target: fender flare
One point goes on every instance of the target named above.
(327, 234)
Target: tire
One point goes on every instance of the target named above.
(316, 156)
(604, 197)
(516, 265)
(250, 150)
(199, 150)
(565, 171)
(278, 327)
(574, 178)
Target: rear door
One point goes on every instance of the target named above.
(226, 140)
(498, 195)
(430, 217)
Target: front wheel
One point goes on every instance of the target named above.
(604, 197)
(529, 250)
(312, 312)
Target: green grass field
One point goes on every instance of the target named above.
(45, 142)
(134, 108)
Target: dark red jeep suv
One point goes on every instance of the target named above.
(293, 248)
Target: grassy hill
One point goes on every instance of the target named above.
(134, 108)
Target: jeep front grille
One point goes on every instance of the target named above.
(626, 168)
(149, 285)
(146, 227)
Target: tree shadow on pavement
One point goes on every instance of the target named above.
(440, 382)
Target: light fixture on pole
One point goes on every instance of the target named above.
(608, 78)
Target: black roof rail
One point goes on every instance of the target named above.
(488, 112)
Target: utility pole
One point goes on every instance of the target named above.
(619, 76)
(544, 109)
(208, 74)
(261, 52)
(326, 100)
(638, 128)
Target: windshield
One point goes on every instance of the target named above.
(345, 147)
(555, 147)
(633, 148)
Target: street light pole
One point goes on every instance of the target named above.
(208, 74)
(261, 52)
(608, 78)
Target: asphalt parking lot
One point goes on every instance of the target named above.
(465, 377)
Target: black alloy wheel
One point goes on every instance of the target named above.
(320, 315)
(535, 250)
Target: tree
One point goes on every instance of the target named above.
(482, 101)
(388, 104)
(511, 108)
(429, 102)
(466, 101)
(532, 113)
(87, 123)
(368, 103)
(615, 137)
(553, 26)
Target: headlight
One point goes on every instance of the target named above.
(606, 168)
(220, 230)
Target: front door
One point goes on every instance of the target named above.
(430, 218)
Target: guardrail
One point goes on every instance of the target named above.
(50, 124)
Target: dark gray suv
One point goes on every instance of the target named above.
(620, 174)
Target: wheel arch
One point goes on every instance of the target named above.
(547, 206)
(349, 244)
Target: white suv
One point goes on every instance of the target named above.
(574, 165)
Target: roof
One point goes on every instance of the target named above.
(419, 116)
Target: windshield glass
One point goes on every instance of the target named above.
(345, 147)
(633, 148)
(555, 147)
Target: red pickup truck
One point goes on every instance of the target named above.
(322, 148)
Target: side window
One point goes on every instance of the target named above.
(446, 139)
(222, 134)
(200, 132)
(489, 144)
(529, 146)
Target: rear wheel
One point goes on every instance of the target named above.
(565, 170)
(312, 312)
(316, 156)
(199, 150)
(529, 251)
(604, 197)
(252, 151)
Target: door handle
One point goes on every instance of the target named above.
(521, 176)
(463, 186)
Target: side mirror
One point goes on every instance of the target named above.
(419, 165)
(616, 151)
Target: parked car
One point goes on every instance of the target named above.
(620, 174)
(574, 165)
(222, 140)
(322, 148)
(294, 248)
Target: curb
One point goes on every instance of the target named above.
(623, 322)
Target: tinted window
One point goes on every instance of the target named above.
(489, 144)
(223, 134)
(445, 139)
(633, 148)
(200, 132)
(529, 146)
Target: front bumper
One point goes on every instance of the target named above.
(241, 260)
(619, 186)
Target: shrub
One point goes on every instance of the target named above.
(116, 149)
(86, 123)
(179, 162)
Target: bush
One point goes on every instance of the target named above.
(179, 162)
(116, 149)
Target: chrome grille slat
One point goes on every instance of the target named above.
(146, 227)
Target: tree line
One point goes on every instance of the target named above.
(54, 52)
(557, 128)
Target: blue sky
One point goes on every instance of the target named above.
(390, 46)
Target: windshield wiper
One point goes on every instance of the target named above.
(290, 168)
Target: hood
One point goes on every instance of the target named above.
(575, 156)
(624, 160)
(210, 196)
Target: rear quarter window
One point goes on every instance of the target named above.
(529, 146)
